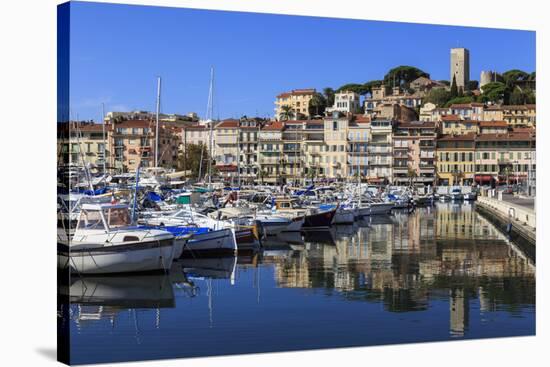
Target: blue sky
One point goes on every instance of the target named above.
(117, 51)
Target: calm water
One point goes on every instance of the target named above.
(441, 273)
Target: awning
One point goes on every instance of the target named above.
(483, 178)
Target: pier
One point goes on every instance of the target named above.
(513, 215)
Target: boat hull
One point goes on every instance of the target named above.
(146, 256)
(344, 217)
(220, 241)
(381, 208)
(319, 220)
(296, 225)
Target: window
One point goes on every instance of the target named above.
(335, 125)
(90, 220)
(117, 217)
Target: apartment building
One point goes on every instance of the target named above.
(293, 159)
(414, 153)
(457, 125)
(270, 152)
(358, 146)
(380, 151)
(505, 157)
(455, 159)
(394, 96)
(225, 150)
(345, 102)
(297, 99)
(335, 155)
(133, 143)
(314, 148)
(249, 166)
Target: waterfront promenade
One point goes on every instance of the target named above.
(515, 215)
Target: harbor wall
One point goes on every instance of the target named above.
(517, 221)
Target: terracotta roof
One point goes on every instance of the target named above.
(450, 118)
(275, 126)
(467, 105)
(518, 107)
(510, 136)
(228, 124)
(416, 125)
(493, 124)
(297, 92)
(463, 137)
(134, 123)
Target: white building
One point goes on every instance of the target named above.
(345, 102)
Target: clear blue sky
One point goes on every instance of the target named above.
(117, 51)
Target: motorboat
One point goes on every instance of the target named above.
(105, 242)
(208, 235)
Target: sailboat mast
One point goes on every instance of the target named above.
(104, 140)
(157, 124)
(211, 104)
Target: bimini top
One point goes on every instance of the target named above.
(104, 206)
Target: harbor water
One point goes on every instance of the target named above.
(437, 274)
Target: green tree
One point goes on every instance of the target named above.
(353, 87)
(495, 92)
(317, 105)
(403, 75)
(459, 100)
(368, 86)
(191, 157)
(454, 88)
(438, 96)
(512, 77)
(287, 112)
(329, 96)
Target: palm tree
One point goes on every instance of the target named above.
(287, 112)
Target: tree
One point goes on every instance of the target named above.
(454, 88)
(317, 105)
(495, 92)
(472, 85)
(329, 96)
(438, 96)
(512, 77)
(353, 87)
(368, 86)
(403, 75)
(192, 157)
(287, 112)
(459, 100)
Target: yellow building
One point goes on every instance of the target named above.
(455, 159)
(454, 124)
(297, 99)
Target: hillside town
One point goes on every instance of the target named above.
(391, 134)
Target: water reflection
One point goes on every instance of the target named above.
(445, 269)
(405, 260)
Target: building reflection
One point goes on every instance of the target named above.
(447, 253)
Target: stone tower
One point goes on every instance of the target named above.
(460, 67)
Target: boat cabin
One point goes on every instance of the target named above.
(103, 217)
(286, 204)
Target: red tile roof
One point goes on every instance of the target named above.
(228, 124)
(297, 92)
(275, 126)
(493, 124)
(134, 123)
(464, 137)
(450, 118)
(510, 136)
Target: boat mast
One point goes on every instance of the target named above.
(104, 140)
(157, 124)
(211, 105)
(238, 156)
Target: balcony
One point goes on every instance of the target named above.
(380, 149)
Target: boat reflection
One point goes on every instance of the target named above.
(408, 260)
